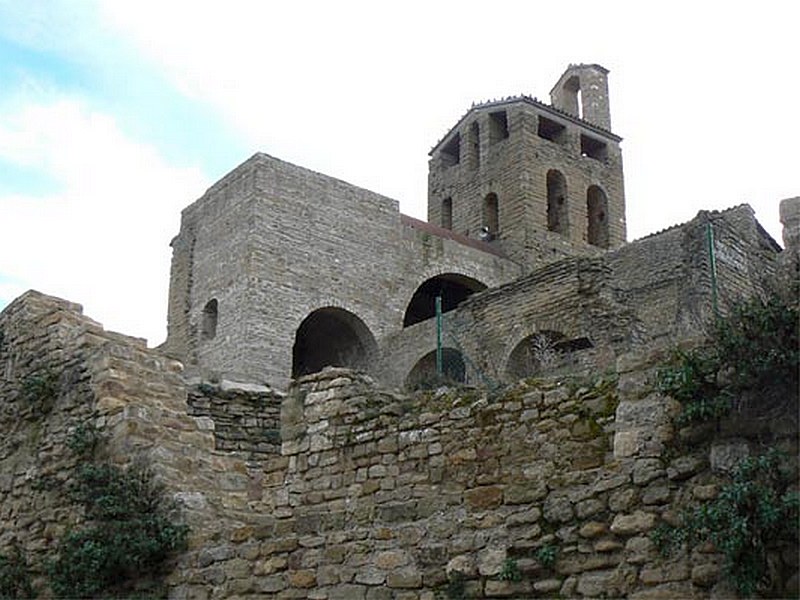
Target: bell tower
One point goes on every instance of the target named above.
(540, 181)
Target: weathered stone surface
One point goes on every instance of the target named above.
(490, 561)
(637, 522)
(727, 454)
(546, 586)
(592, 529)
(557, 509)
(640, 549)
(705, 575)
(673, 571)
(594, 584)
(588, 507)
(302, 579)
(404, 578)
(484, 497)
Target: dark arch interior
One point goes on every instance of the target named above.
(424, 372)
(597, 209)
(331, 337)
(557, 212)
(453, 289)
(208, 326)
(540, 351)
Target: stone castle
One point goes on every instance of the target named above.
(279, 271)
(300, 304)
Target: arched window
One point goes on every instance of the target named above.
(424, 375)
(208, 325)
(557, 209)
(332, 337)
(447, 213)
(491, 214)
(597, 215)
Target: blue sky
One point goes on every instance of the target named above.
(115, 115)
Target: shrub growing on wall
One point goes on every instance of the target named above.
(752, 358)
(755, 510)
(129, 534)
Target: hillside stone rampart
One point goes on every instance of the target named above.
(374, 494)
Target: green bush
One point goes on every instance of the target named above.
(15, 580)
(40, 390)
(751, 512)
(83, 440)
(129, 533)
(751, 352)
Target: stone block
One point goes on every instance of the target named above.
(592, 529)
(370, 575)
(484, 498)
(705, 575)
(727, 454)
(391, 559)
(404, 578)
(588, 507)
(594, 584)
(638, 522)
(557, 509)
(490, 561)
(347, 592)
(526, 493)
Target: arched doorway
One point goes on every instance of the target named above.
(423, 374)
(452, 287)
(332, 337)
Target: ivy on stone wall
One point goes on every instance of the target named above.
(751, 513)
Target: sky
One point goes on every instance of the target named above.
(115, 115)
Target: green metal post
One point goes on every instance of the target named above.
(712, 258)
(439, 367)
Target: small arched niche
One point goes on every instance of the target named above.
(209, 319)
(597, 216)
(557, 208)
(332, 337)
(423, 374)
(453, 289)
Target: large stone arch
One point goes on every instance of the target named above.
(454, 288)
(332, 336)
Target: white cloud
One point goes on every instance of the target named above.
(361, 90)
(103, 239)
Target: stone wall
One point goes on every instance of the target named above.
(374, 494)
